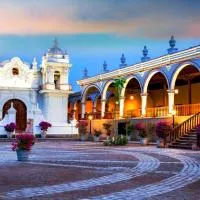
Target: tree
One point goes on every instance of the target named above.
(118, 85)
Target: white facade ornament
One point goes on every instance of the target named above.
(36, 90)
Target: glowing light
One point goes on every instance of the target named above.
(90, 117)
(173, 112)
(131, 97)
(176, 91)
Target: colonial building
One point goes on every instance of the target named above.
(30, 94)
(159, 87)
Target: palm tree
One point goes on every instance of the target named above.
(118, 85)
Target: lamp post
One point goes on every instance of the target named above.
(173, 114)
(90, 119)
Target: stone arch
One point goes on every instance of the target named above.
(4, 100)
(77, 108)
(126, 83)
(178, 70)
(86, 90)
(21, 113)
(96, 99)
(150, 75)
(105, 88)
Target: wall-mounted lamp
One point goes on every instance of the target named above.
(131, 97)
(176, 91)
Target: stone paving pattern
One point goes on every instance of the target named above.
(86, 170)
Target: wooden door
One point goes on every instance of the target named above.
(21, 113)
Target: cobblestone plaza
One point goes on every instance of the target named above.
(77, 170)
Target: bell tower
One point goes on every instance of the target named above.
(55, 86)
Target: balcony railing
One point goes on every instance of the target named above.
(181, 110)
(185, 110)
(157, 112)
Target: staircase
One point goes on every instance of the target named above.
(184, 135)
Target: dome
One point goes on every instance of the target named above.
(55, 49)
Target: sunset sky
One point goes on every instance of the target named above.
(96, 30)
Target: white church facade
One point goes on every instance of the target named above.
(30, 94)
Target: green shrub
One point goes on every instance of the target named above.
(116, 141)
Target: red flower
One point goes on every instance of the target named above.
(10, 127)
(44, 125)
(82, 126)
(23, 142)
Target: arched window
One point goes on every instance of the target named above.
(57, 79)
(15, 71)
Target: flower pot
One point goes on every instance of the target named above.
(22, 155)
(83, 138)
(144, 141)
(43, 134)
(129, 137)
(160, 143)
(9, 134)
(96, 139)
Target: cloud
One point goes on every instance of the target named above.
(154, 19)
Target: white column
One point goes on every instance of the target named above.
(170, 101)
(121, 107)
(103, 107)
(93, 109)
(83, 110)
(144, 103)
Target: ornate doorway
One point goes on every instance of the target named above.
(21, 114)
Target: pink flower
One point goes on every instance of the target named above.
(44, 125)
(23, 142)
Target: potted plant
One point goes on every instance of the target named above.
(142, 133)
(107, 127)
(10, 128)
(163, 129)
(22, 145)
(119, 140)
(151, 131)
(44, 127)
(130, 130)
(96, 135)
(82, 129)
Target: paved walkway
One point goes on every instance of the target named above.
(75, 170)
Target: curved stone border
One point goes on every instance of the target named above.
(189, 174)
(146, 164)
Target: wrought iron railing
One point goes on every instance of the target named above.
(184, 127)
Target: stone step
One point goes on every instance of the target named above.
(188, 137)
(176, 146)
(186, 140)
(192, 134)
(183, 143)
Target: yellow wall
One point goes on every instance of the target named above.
(88, 106)
(98, 123)
(196, 93)
(132, 104)
(157, 98)
(182, 96)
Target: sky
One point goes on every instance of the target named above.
(92, 31)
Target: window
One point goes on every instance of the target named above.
(57, 79)
(15, 71)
